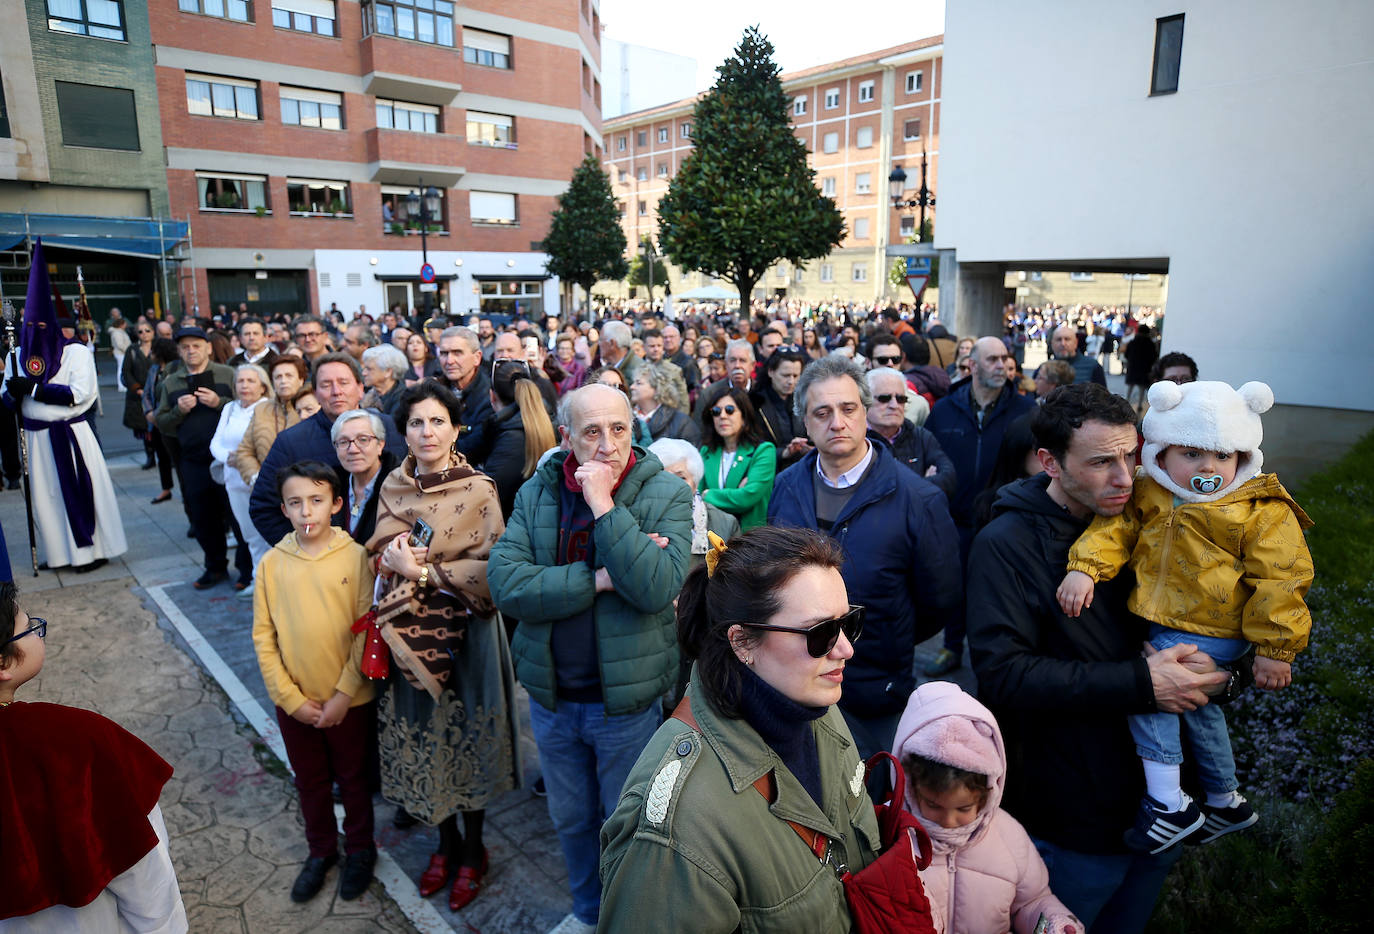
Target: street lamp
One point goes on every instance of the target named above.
(896, 185)
(427, 208)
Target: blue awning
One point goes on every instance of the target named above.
(145, 237)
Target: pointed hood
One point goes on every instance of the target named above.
(40, 340)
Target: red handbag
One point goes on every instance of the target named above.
(376, 662)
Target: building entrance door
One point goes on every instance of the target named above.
(400, 293)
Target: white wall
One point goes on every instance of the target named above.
(371, 290)
(1253, 180)
(634, 77)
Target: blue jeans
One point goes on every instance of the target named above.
(1111, 893)
(1157, 735)
(585, 757)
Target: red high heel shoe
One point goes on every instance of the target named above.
(436, 876)
(468, 884)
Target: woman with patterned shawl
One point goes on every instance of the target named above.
(447, 721)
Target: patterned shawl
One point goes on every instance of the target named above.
(424, 627)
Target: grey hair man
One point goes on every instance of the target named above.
(911, 444)
(616, 338)
(594, 553)
(358, 337)
(460, 357)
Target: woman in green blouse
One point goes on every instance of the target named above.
(739, 463)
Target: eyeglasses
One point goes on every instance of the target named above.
(302, 335)
(36, 624)
(360, 442)
(885, 398)
(719, 410)
(887, 361)
(512, 360)
(821, 637)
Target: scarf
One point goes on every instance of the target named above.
(424, 628)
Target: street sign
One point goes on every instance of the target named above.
(917, 274)
(427, 274)
(429, 286)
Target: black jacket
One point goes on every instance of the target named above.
(473, 441)
(134, 375)
(917, 448)
(505, 462)
(668, 422)
(780, 421)
(1061, 688)
(367, 520)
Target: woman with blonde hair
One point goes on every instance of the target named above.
(521, 427)
(288, 375)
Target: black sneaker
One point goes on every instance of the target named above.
(1156, 829)
(1219, 822)
(210, 579)
(311, 878)
(539, 789)
(357, 873)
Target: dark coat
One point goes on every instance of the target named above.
(473, 442)
(780, 421)
(505, 462)
(972, 448)
(1141, 354)
(902, 565)
(918, 449)
(1061, 687)
(367, 521)
(668, 422)
(134, 376)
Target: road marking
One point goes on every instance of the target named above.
(388, 872)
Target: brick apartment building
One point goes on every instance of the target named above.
(859, 117)
(295, 129)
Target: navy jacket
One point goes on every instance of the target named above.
(917, 449)
(972, 448)
(901, 565)
(307, 441)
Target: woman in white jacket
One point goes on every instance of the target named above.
(251, 388)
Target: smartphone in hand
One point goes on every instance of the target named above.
(420, 534)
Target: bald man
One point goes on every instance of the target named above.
(1064, 344)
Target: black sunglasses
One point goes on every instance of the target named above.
(36, 624)
(887, 361)
(885, 398)
(727, 409)
(821, 638)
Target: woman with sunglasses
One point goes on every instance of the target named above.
(740, 465)
(134, 375)
(98, 783)
(770, 628)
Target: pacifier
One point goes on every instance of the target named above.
(1205, 485)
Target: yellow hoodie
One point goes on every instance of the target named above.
(1234, 568)
(303, 611)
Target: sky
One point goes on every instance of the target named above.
(804, 33)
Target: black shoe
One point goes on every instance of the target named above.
(539, 789)
(357, 873)
(88, 568)
(190, 533)
(311, 878)
(403, 819)
(210, 579)
(13, 484)
(149, 464)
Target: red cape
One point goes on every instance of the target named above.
(75, 792)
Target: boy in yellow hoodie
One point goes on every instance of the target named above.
(1220, 563)
(310, 588)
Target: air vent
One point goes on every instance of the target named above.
(324, 280)
(354, 280)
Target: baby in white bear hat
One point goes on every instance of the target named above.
(1220, 563)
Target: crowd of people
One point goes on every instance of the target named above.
(635, 518)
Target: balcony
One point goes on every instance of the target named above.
(399, 157)
(399, 69)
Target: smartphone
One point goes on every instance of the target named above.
(420, 534)
(196, 381)
(531, 349)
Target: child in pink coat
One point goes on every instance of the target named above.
(986, 876)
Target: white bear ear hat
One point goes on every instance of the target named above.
(1209, 416)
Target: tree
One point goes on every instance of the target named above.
(745, 196)
(639, 274)
(585, 242)
(897, 273)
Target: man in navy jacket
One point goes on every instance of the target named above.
(902, 555)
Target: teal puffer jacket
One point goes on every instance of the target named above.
(636, 634)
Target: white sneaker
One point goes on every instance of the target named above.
(571, 925)
(246, 593)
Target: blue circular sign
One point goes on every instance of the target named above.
(426, 273)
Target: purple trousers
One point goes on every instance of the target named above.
(322, 757)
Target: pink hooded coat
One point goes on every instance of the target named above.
(986, 877)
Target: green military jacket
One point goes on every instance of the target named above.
(694, 846)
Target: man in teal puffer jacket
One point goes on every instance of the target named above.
(593, 555)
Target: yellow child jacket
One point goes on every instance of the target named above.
(1234, 568)
(303, 612)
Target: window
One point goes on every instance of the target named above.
(486, 129)
(911, 129)
(863, 137)
(799, 105)
(225, 9)
(860, 272)
(642, 174)
(780, 271)
(315, 16)
(620, 209)
(642, 138)
(400, 115)
(486, 48)
(1168, 52)
(861, 228)
(643, 209)
(492, 207)
(797, 275)
(685, 130)
(620, 144)
(1080, 277)
(220, 192)
(316, 196)
(907, 227)
(663, 170)
(827, 272)
(863, 183)
(828, 186)
(1037, 276)
(865, 91)
(913, 82)
(396, 216)
(304, 107)
(663, 134)
(830, 142)
(210, 96)
(512, 298)
(97, 117)
(832, 98)
(624, 176)
(422, 20)
(4, 114)
(103, 19)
